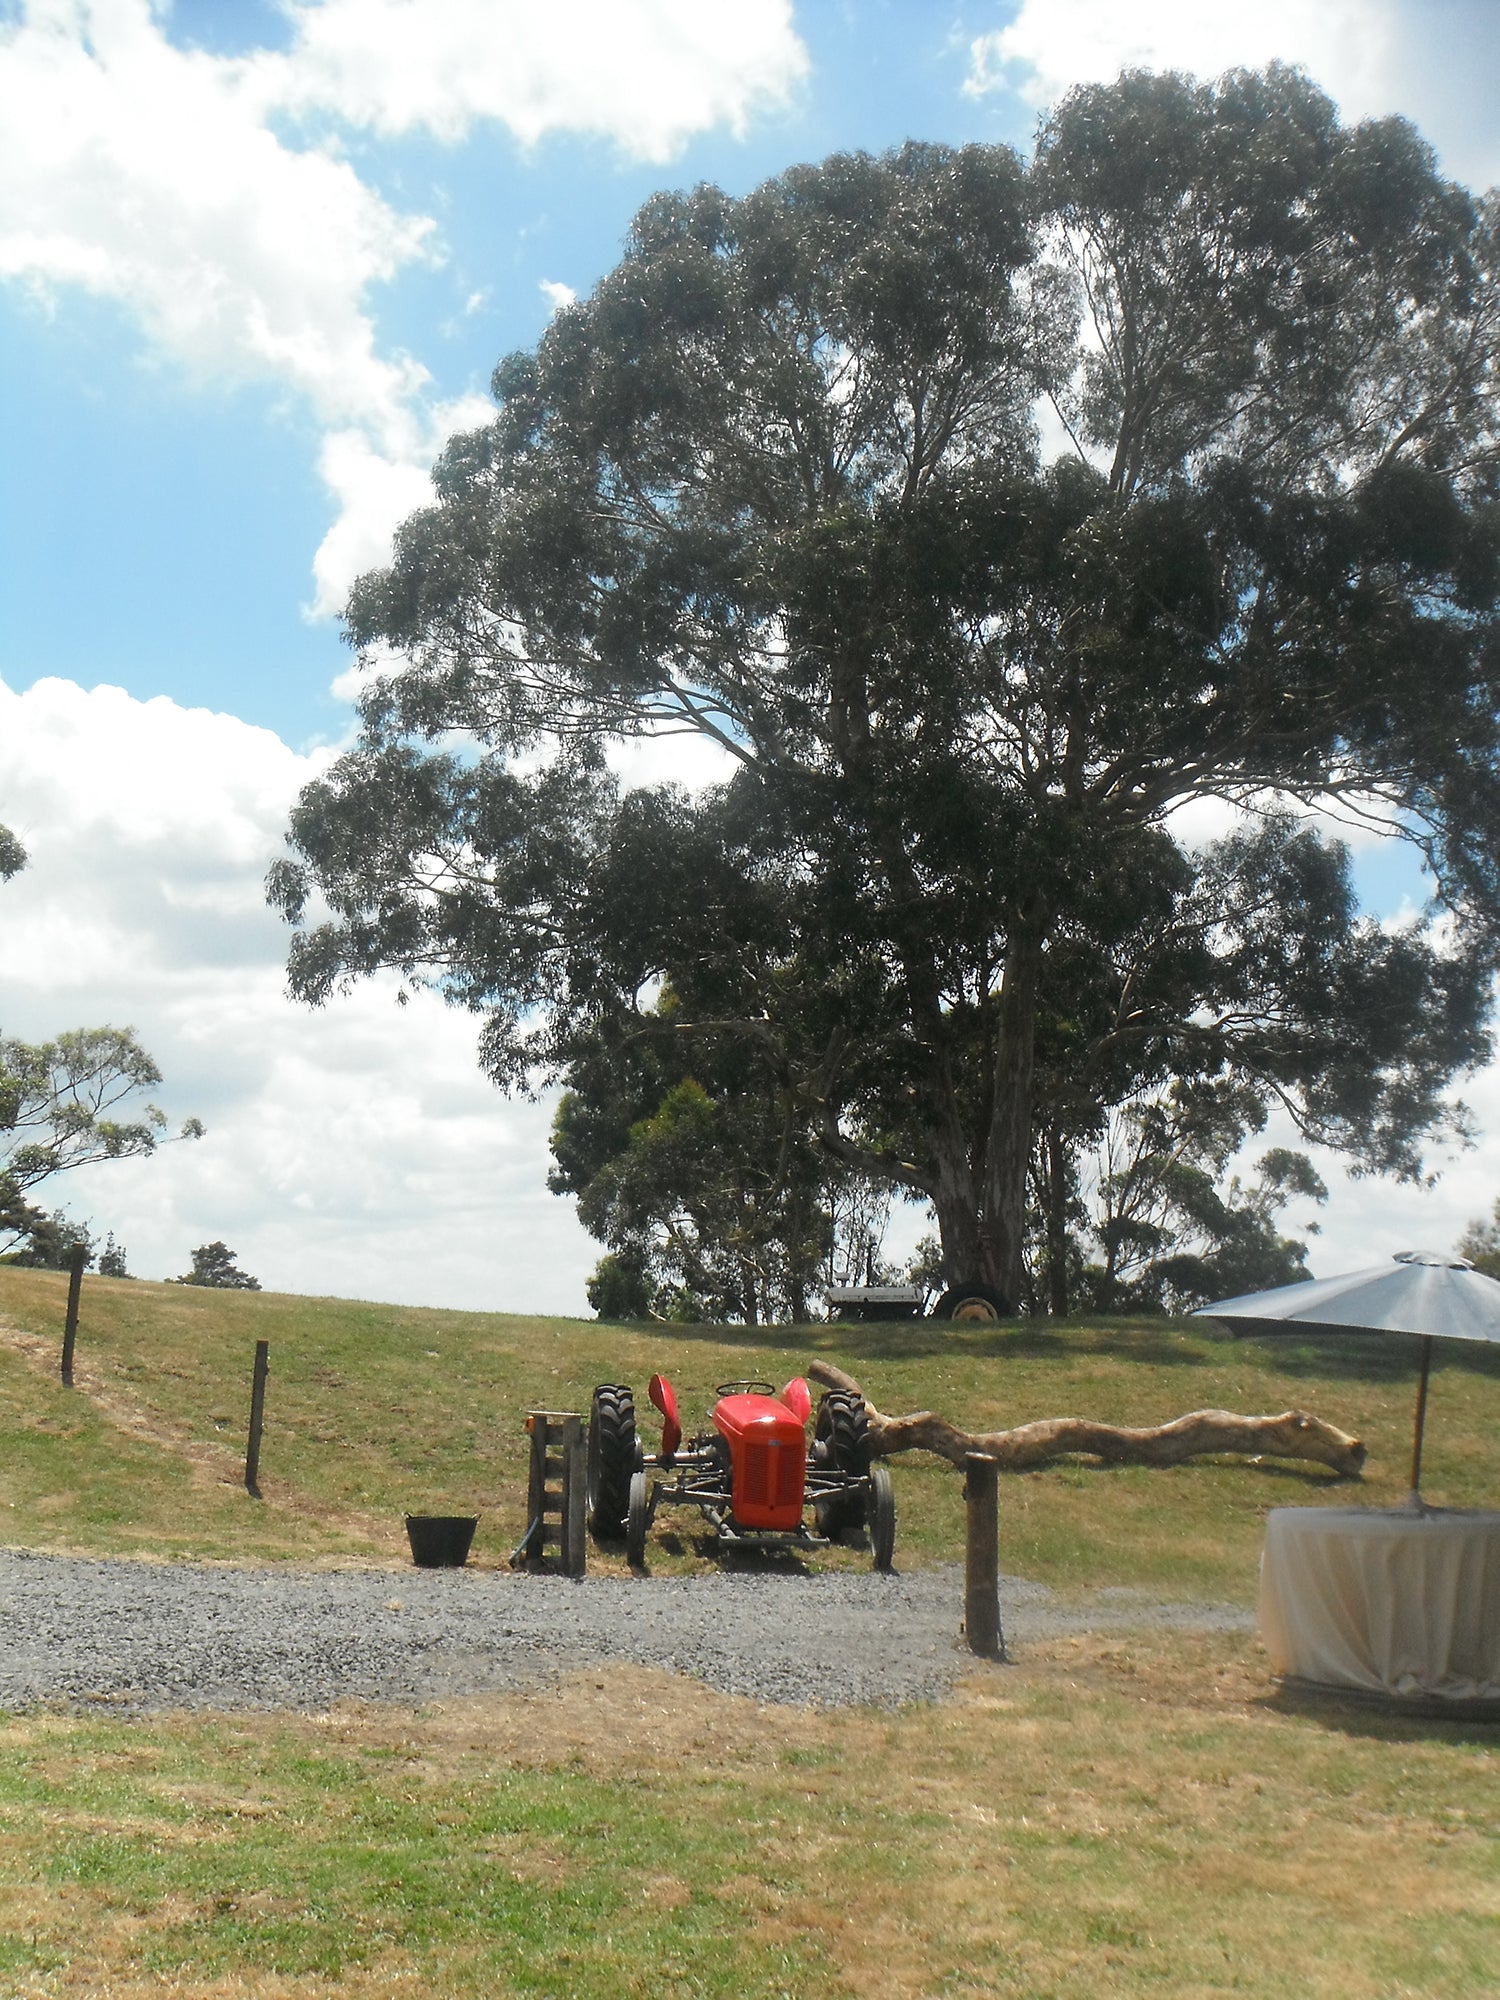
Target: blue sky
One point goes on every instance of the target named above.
(255, 260)
(182, 552)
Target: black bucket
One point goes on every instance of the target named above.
(440, 1541)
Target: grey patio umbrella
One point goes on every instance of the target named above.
(1431, 1296)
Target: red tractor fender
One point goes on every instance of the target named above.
(664, 1396)
(798, 1398)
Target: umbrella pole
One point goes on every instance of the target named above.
(1416, 1442)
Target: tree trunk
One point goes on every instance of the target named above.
(1293, 1434)
(955, 1203)
(1007, 1153)
(1059, 1190)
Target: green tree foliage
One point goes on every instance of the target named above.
(48, 1241)
(70, 1103)
(214, 1264)
(61, 1104)
(1480, 1243)
(1213, 986)
(777, 482)
(691, 1159)
(710, 1194)
(1173, 1227)
(112, 1259)
(12, 854)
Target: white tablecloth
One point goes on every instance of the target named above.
(1396, 1601)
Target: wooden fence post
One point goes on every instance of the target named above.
(257, 1417)
(556, 1493)
(574, 1497)
(982, 1557)
(70, 1324)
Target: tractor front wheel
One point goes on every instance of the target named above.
(637, 1520)
(882, 1510)
(614, 1455)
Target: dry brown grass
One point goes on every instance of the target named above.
(1112, 1816)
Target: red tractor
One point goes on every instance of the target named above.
(754, 1476)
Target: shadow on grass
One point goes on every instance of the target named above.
(1155, 1344)
(1368, 1357)
(1321, 1478)
(1160, 1344)
(1387, 1718)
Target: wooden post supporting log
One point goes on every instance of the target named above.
(982, 1557)
(70, 1325)
(257, 1417)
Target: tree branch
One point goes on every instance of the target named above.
(1294, 1434)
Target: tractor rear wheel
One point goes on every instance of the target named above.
(972, 1305)
(882, 1517)
(614, 1455)
(843, 1433)
(637, 1520)
(844, 1427)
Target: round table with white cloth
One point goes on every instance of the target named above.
(1393, 1601)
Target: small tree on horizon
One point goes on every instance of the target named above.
(49, 1240)
(214, 1265)
(112, 1259)
(68, 1103)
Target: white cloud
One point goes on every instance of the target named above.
(1053, 44)
(668, 758)
(375, 490)
(557, 295)
(1199, 821)
(1429, 60)
(158, 175)
(356, 1149)
(645, 73)
(148, 174)
(208, 195)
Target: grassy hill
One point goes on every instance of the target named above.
(374, 1411)
(1131, 1815)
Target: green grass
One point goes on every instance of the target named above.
(374, 1411)
(1138, 1816)
(1133, 1817)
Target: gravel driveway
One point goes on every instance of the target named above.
(157, 1635)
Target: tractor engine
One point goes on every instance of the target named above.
(768, 1459)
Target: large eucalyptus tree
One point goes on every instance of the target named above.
(984, 513)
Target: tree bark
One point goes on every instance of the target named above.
(1007, 1151)
(1059, 1187)
(955, 1204)
(1293, 1434)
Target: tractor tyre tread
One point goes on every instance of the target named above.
(614, 1454)
(637, 1520)
(882, 1512)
